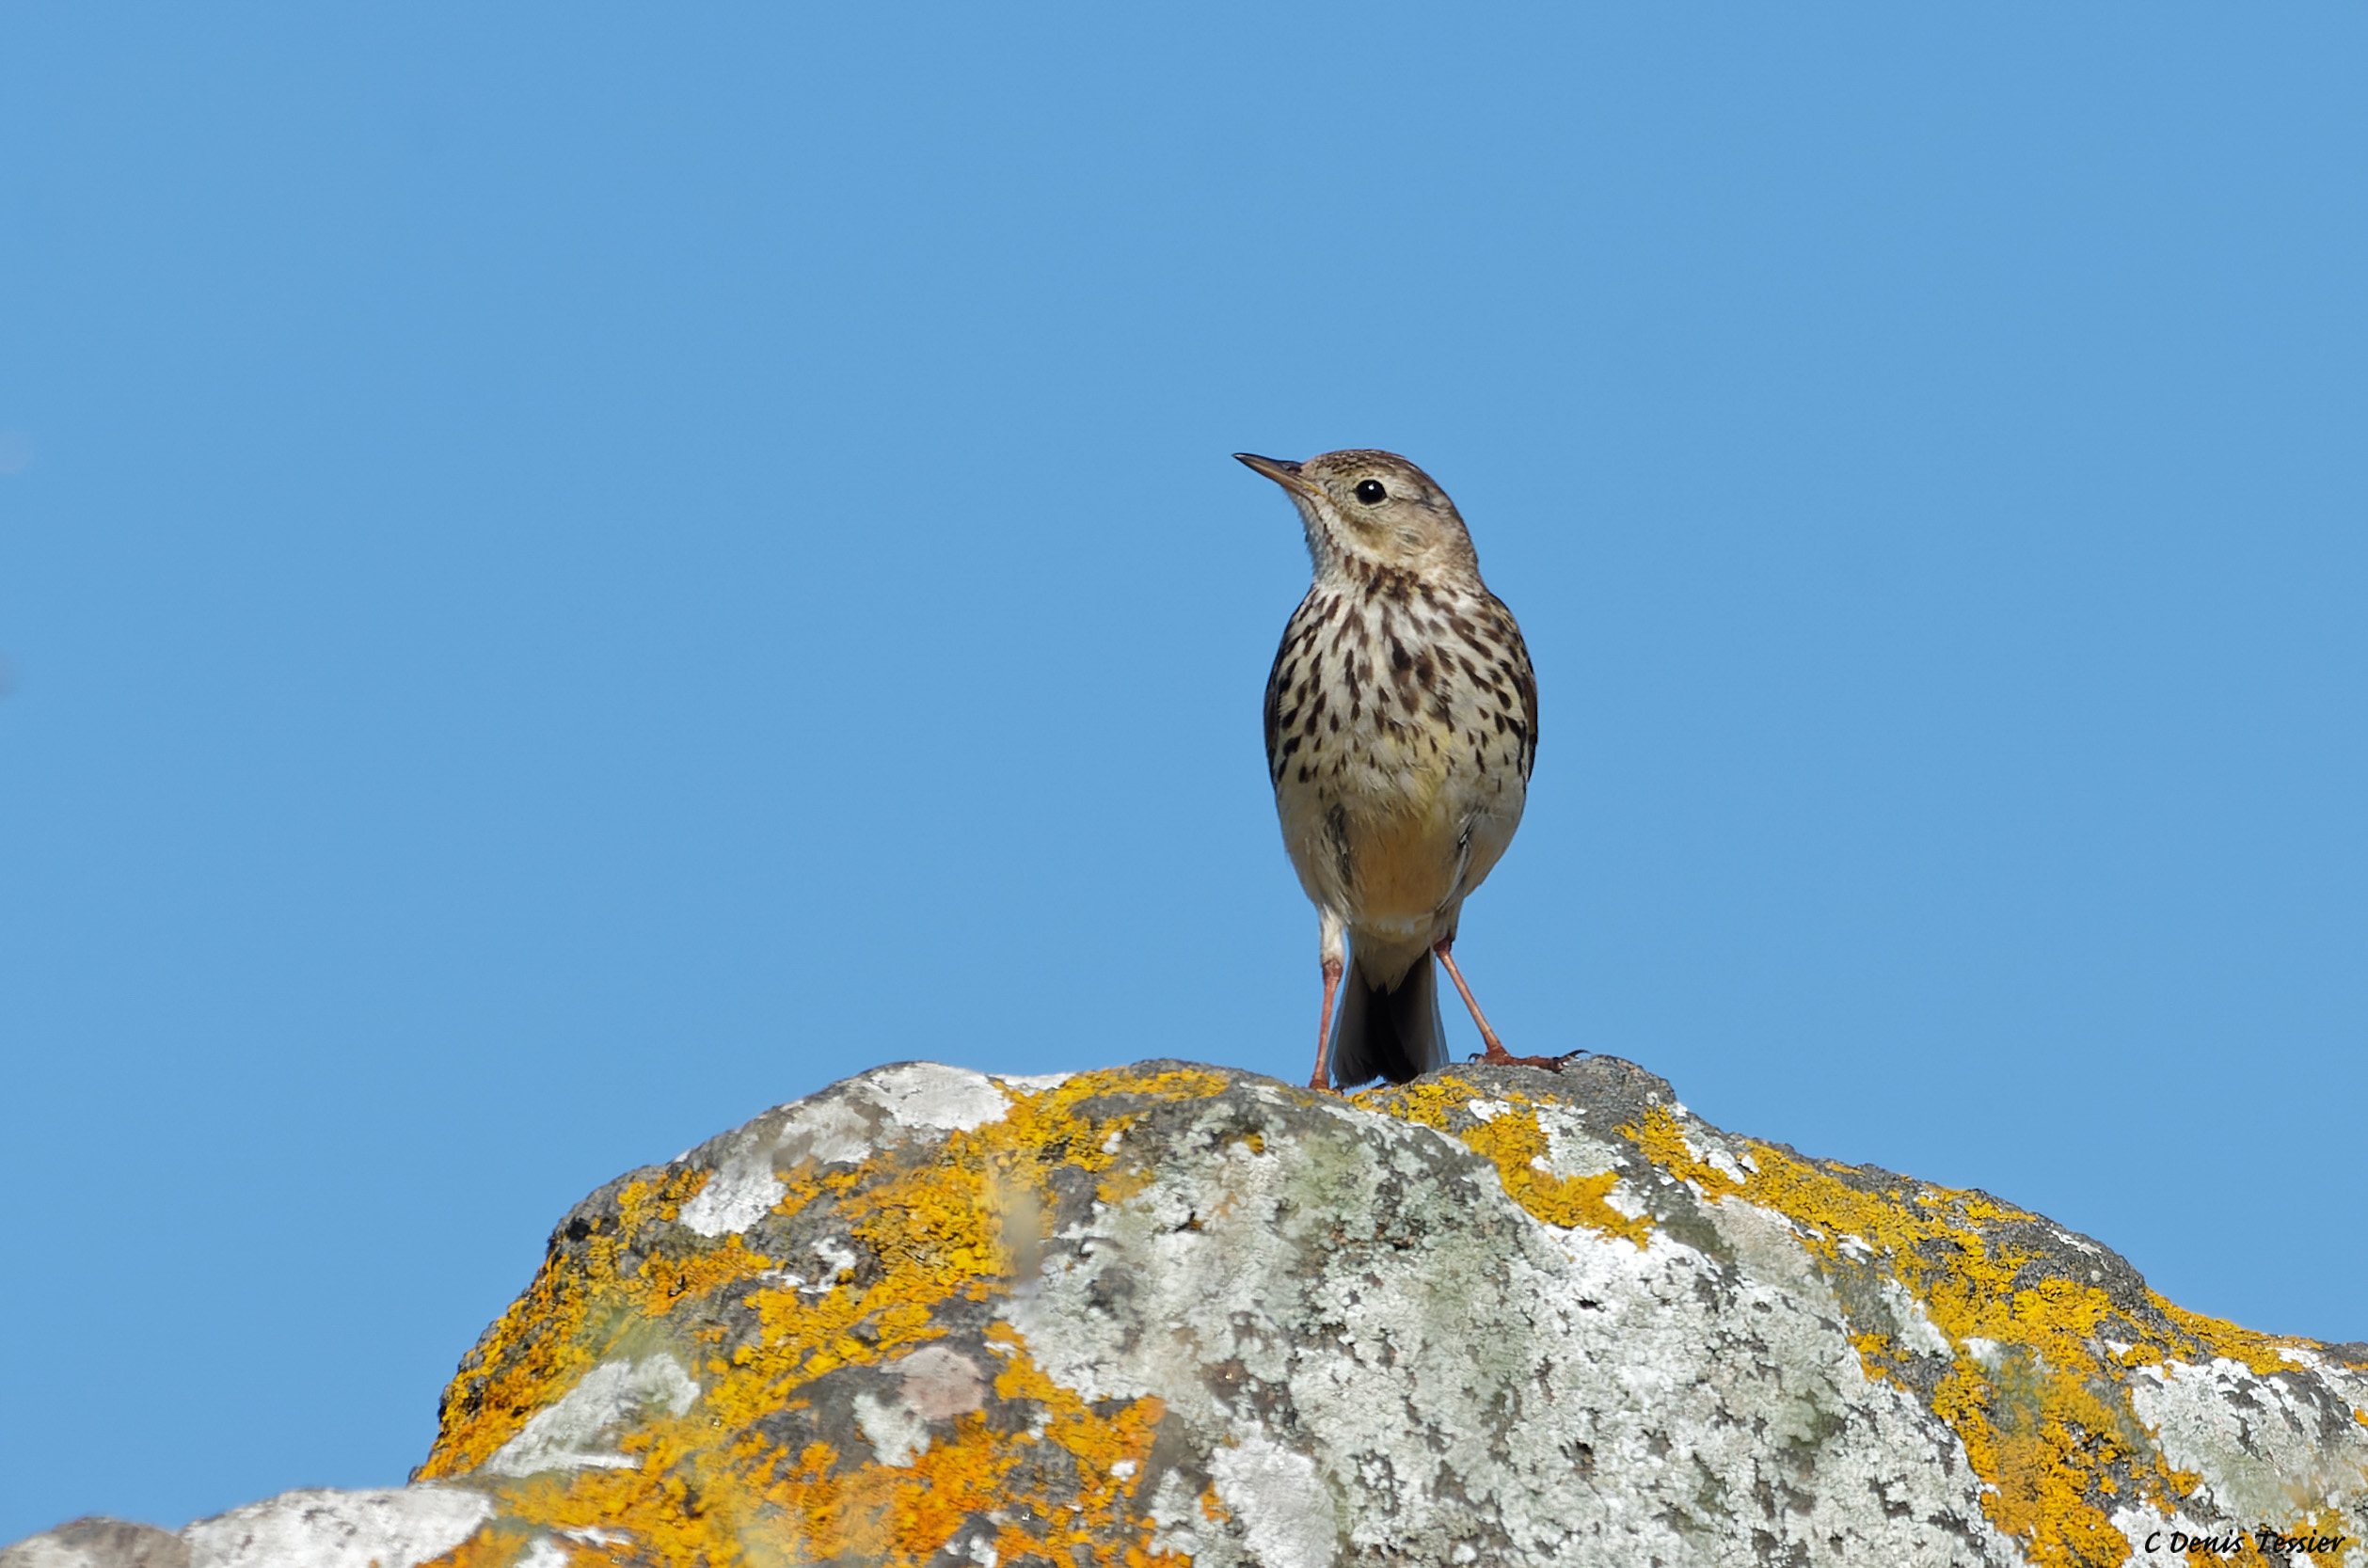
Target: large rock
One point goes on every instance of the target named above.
(1176, 1313)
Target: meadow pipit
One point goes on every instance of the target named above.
(1401, 723)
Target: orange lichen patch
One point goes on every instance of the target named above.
(1871, 1347)
(2042, 1413)
(1080, 1508)
(2044, 1442)
(498, 1546)
(708, 1488)
(2041, 1418)
(1513, 1141)
(681, 1505)
(801, 1186)
(564, 1323)
(668, 1280)
(1662, 1140)
(2258, 1351)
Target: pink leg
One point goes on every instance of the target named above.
(1322, 1081)
(1496, 1052)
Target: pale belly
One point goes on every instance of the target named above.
(1393, 842)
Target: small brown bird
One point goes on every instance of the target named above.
(1401, 724)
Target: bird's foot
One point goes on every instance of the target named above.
(1497, 1055)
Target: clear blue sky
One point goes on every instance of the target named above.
(572, 573)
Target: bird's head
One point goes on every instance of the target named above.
(1372, 507)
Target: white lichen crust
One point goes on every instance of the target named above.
(1385, 1359)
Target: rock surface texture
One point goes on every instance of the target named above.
(1172, 1314)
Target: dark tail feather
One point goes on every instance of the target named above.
(1379, 1032)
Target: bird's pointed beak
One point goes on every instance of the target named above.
(1281, 470)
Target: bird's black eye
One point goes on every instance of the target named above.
(1372, 492)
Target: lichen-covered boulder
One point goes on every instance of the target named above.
(1173, 1314)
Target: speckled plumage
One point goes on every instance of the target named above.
(1401, 726)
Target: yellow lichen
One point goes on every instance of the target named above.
(564, 1323)
(707, 1488)
(1513, 1141)
(1663, 1141)
(499, 1544)
(2041, 1413)
(2258, 1351)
